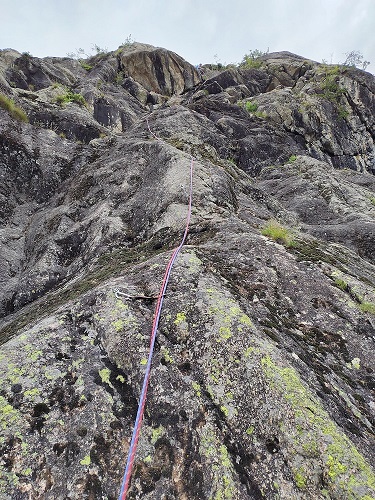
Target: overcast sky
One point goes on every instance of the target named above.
(201, 31)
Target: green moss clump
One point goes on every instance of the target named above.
(278, 233)
(14, 111)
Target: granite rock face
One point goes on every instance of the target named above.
(262, 380)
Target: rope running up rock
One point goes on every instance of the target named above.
(142, 399)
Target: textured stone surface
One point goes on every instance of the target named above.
(262, 381)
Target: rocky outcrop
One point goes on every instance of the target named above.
(262, 380)
(157, 70)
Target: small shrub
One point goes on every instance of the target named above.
(330, 82)
(119, 77)
(252, 59)
(355, 59)
(278, 233)
(70, 96)
(99, 50)
(292, 158)
(78, 54)
(251, 107)
(14, 111)
(129, 40)
(368, 307)
(372, 200)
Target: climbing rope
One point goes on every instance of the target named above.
(142, 399)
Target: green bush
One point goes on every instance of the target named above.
(329, 83)
(252, 59)
(251, 107)
(14, 111)
(70, 96)
(292, 158)
(278, 233)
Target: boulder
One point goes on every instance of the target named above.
(157, 70)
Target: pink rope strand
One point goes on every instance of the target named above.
(142, 399)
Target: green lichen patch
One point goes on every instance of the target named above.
(345, 470)
(86, 460)
(8, 414)
(118, 325)
(166, 355)
(226, 314)
(180, 318)
(32, 393)
(197, 388)
(216, 455)
(105, 375)
(157, 434)
(300, 478)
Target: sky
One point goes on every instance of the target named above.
(201, 31)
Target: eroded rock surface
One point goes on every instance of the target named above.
(262, 381)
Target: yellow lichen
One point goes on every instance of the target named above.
(180, 318)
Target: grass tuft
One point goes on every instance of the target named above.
(14, 111)
(278, 233)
